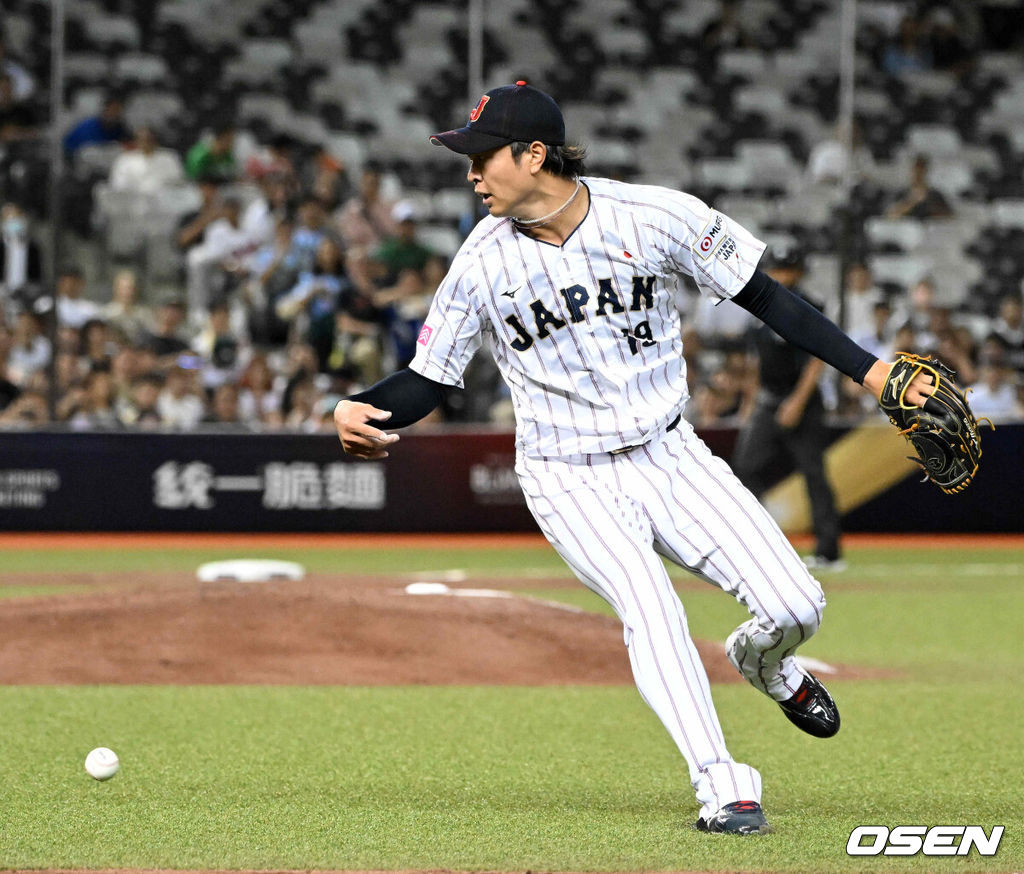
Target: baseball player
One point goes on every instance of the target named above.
(569, 280)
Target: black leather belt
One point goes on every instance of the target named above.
(623, 449)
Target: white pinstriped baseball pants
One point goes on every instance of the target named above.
(610, 516)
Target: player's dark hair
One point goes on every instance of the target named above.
(565, 161)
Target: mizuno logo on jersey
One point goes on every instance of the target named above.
(575, 298)
(511, 293)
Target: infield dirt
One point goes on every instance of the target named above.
(169, 629)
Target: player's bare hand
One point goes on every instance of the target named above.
(921, 386)
(917, 392)
(358, 434)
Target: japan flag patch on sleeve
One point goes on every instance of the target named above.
(424, 336)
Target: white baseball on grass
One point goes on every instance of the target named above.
(102, 763)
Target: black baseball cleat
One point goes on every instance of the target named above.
(738, 818)
(812, 709)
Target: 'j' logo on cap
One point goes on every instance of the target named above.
(475, 114)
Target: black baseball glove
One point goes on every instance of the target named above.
(944, 432)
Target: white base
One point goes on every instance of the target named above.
(250, 570)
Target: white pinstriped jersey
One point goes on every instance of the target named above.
(586, 335)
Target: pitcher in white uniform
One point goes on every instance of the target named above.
(569, 280)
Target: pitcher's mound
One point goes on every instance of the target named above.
(321, 630)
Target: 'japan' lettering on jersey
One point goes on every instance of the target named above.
(586, 334)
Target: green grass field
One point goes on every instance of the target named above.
(551, 779)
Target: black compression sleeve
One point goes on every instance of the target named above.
(797, 321)
(406, 394)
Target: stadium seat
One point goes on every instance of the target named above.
(112, 31)
(726, 173)
(449, 204)
(905, 235)
(899, 269)
(92, 67)
(934, 140)
(440, 238)
(153, 108)
(1009, 213)
(141, 68)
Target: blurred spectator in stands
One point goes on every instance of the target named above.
(310, 231)
(908, 50)
(939, 326)
(125, 368)
(141, 410)
(17, 119)
(402, 250)
(726, 30)
(299, 364)
(878, 340)
(728, 396)
(224, 409)
(215, 265)
(213, 156)
(311, 304)
(21, 260)
(404, 306)
(276, 158)
(920, 200)
(273, 271)
(125, 315)
(168, 339)
(365, 219)
(147, 168)
(356, 357)
(914, 310)
(304, 406)
(192, 226)
(23, 85)
(995, 393)
(862, 297)
(1010, 326)
(957, 355)
(180, 403)
(262, 213)
(948, 49)
(327, 181)
(73, 309)
(258, 402)
(28, 410)
(222, 350)
(98, 130)
(96, 410)
(96, 347)
(8, 390)
(826, 165)
(30, 349)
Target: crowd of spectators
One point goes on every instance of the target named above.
(300, 282)
(296, 287)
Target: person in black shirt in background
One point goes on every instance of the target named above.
(788, 420)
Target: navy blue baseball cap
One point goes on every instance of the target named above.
(511, 113)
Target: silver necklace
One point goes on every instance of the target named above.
(551, 216)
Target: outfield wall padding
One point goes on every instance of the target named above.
(457, 481)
